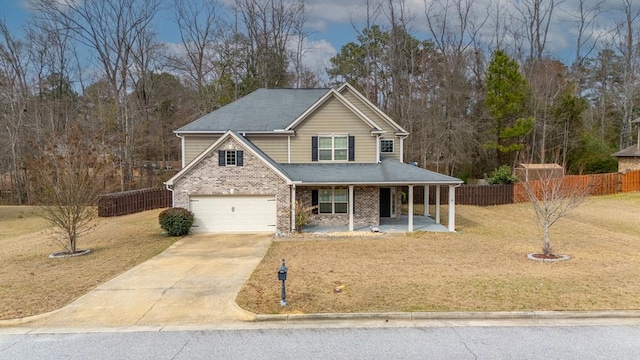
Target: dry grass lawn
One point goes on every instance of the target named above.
(482, 267)
(31, 283)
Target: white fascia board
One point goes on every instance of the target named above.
(218, 132)
(372, 107)
(330, 183)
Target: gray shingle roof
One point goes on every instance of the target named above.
(262, 110)
(631, 151)
(388, 172)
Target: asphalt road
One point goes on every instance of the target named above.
(534, 342)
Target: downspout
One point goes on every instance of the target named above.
(293, 208)
(170, 188)
(402, 148)
(182, 148)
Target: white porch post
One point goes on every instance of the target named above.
(452, 208)
(351, 207)
(438, 204)
(410, 225)
(293, 207)
(426, 200)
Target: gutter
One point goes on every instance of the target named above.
(244, 132)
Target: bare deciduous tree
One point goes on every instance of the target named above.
(14, 94)
(552, 196)
(270, 25)
(69, 175)
(112, 30)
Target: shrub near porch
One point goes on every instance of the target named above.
(482, 267)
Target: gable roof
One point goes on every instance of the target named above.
(366, 102)
(389, 171)
(263, 110)
(244, 142)
(336, 95)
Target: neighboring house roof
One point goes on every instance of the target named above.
(631, 151)
(389, 171)
(540, 166)
(262, 110)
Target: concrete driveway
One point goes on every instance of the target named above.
(194, 282)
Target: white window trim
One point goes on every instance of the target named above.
(393, 144)
(333, 201)
(235, 157)
(333, 146)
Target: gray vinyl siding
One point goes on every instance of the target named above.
(382, 123)
(274, 146)
(333, 117)
(196, 144)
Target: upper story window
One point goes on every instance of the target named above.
(333, 147)
(386, 146)
(230, 158)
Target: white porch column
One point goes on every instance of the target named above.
(452, 208)
(438, 204)
(351, 207)
(293, 207)
(426, 200)
(410, 225)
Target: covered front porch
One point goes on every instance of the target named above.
(387, 225)
(352, 197)
(378, 207)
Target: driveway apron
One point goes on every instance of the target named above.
(195, 281)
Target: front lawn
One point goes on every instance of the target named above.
(31, 283)
(482, 267)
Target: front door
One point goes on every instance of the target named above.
(385, 202)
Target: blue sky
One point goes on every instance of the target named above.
(330, 23)
(327, 35)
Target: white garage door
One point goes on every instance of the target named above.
(234, 213)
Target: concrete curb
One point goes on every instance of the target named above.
(410, 316)
(27, 319)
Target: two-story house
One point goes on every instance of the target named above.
(247, 164)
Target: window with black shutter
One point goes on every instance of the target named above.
(230, 158)
(314, 201)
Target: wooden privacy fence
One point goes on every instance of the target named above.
(487, 195)
(134, 201)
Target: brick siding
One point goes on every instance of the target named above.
(367, 207)
(253, 178)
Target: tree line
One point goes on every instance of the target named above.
(477, 87)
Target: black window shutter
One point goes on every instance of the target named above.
(314, 148)
(222, 158)
(354, 201)
(352, 148)
(314, 201)
(239, 158)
